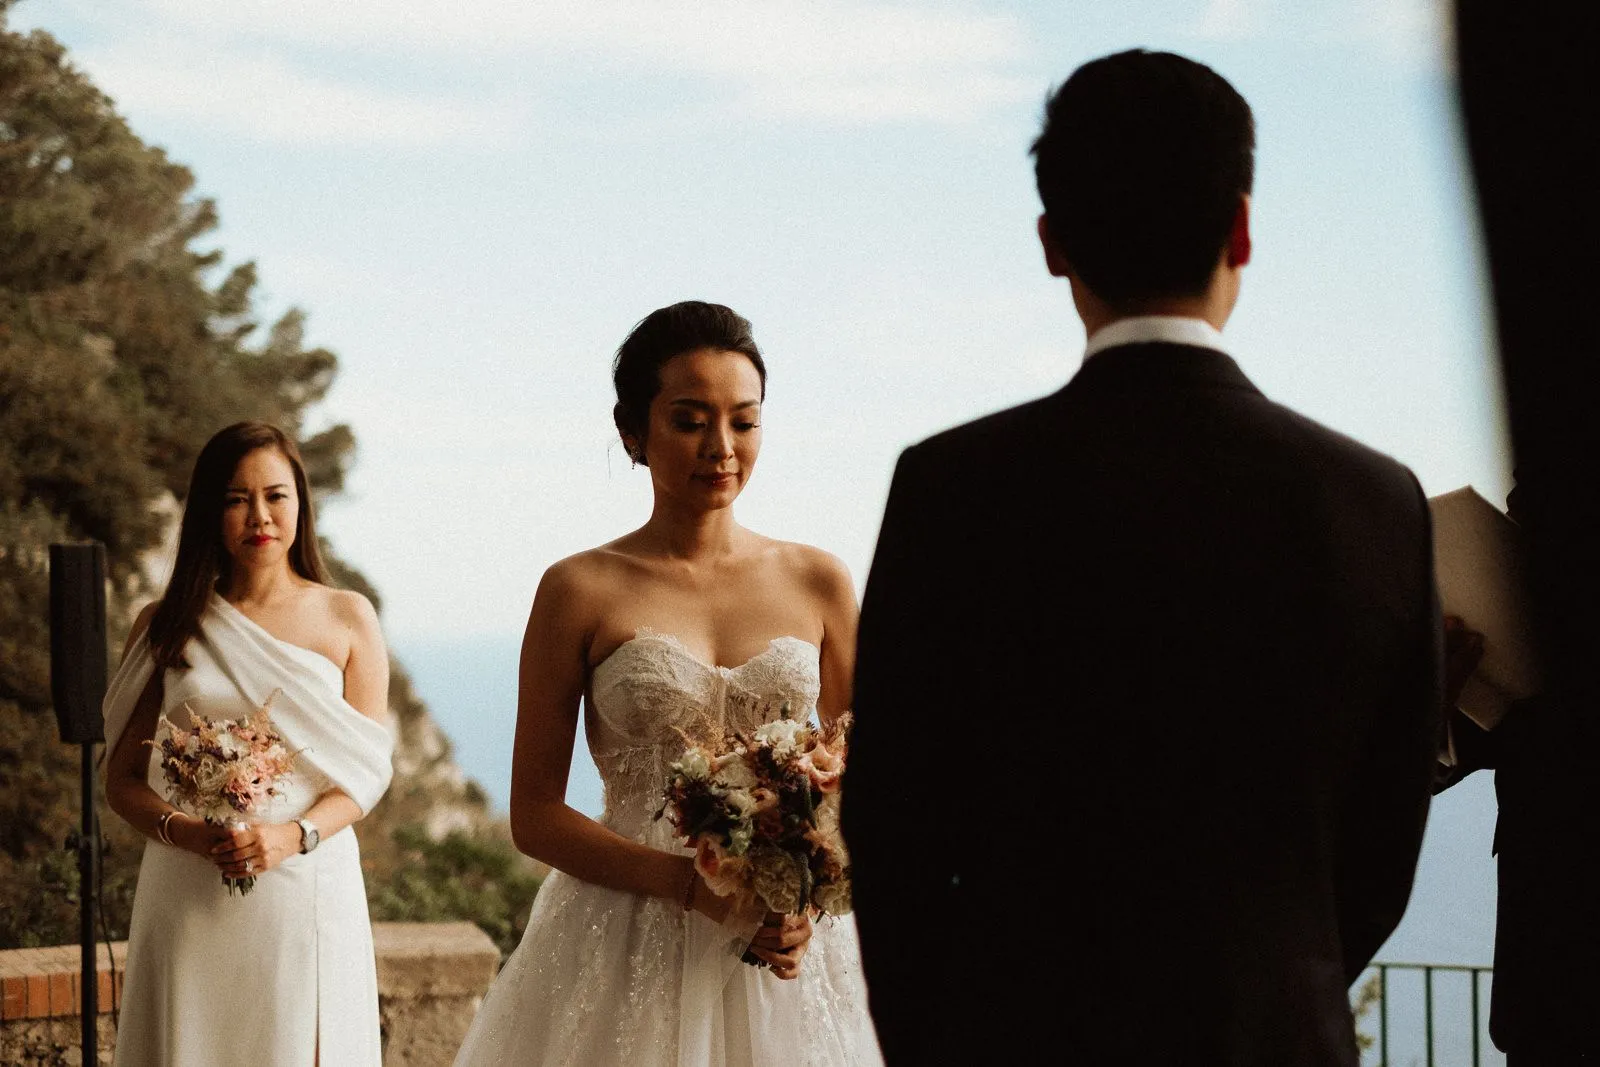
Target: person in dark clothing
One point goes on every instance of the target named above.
(1154, 633)
(1544, 1008)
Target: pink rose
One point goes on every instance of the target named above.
(824, 768)
(725, 875)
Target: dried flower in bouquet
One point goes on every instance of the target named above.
(762, 814)
(223, 771)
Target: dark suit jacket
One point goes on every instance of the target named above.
(1147, 703)
(1547, 931)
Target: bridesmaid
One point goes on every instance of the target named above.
(283, 976)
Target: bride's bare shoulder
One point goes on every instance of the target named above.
(817, 569)
(592, 571)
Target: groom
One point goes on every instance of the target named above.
(1147, 687)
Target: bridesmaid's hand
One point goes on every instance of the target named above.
(195, 835)
(253, 850)
(782, 942)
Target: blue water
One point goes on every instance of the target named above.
(471, 689)
(470, 686)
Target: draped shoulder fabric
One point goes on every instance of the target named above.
(284, 976)
(351, 750)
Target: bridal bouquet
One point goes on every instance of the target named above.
(220, 771)
(762, 814)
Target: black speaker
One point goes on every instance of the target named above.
(78, 639)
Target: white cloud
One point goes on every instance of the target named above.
(276, 101)
(835, 61)
(707, 35)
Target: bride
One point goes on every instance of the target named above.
(689, 626)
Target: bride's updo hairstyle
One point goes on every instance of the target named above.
(203, 560)
(661, 335)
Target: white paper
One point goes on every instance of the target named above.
(1478, 566)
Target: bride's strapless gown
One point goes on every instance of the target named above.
(606, 977)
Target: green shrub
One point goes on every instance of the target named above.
(479, 877)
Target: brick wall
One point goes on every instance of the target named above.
(38, 983)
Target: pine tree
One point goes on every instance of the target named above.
(124, 345)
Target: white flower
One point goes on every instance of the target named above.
(780, 735)
(694, 766)
(828, 815)
(835, 898)
(210, 776)
(740, 800)
(776, 878)
(734, 773)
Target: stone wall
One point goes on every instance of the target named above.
(431, 978)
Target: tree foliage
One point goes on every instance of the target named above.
(125, 343)
(464, 875)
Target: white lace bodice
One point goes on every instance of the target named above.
(651, 694)
(609, 978)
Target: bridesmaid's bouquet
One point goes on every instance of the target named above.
(762, 814)
(223, 770)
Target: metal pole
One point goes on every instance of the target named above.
(1427, 985)
(1383, 1015)
(1476, 1041)
(89, 899)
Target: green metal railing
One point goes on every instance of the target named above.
(1428, 970)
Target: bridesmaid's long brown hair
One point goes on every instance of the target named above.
(203, 561)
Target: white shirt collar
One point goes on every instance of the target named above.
(1142, 329)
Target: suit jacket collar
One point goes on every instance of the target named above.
(1159, 366)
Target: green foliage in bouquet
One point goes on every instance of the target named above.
(479, 877)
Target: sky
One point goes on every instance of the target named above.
(475, 202)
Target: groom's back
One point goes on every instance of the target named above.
(1196, 615)
(1183, 641)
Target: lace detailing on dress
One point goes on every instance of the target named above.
(652, 694)
(602, 977)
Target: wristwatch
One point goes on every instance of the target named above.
(309, 835)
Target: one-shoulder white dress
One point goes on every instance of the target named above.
(604, 977)
(283, 976)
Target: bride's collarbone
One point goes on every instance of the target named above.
(713, 647)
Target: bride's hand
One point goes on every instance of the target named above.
(247, 851)
(721, 909)
(782, 942)
(707, 903)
